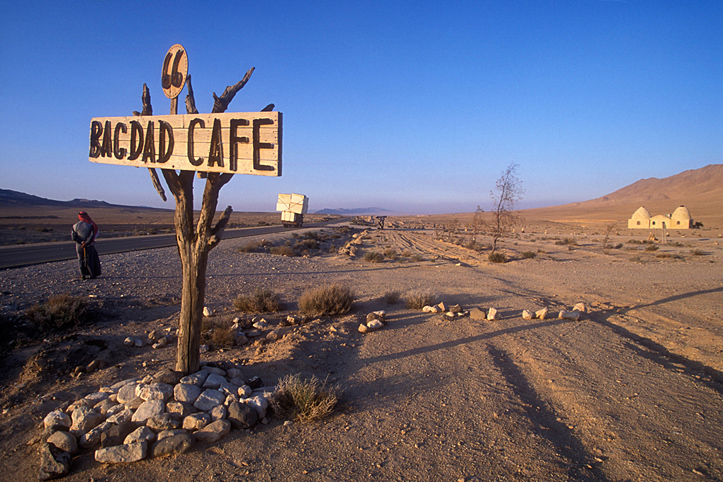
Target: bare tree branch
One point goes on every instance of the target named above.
(190, 99)
(220, 104)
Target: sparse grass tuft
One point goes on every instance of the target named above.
(651, 247)
(60, 311)
(326, 300)
(222, 334)
(282, 250)
(373, 257)
(392, 297)
(528, 254)
(497, 257)
(416, 300)
(262, 301)
(566, 242)
(391, 253)
(697, 252)
(254, 246)
(304, 400)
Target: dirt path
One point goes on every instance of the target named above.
(631, 393)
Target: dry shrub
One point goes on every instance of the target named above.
(262, 301)
(416, 258)
(304, 400)
(651, 247)
(416, 300)
(391, 297)
(223, 334)
(566, 242)
(282, 250)
(373, 257)
(391, 253)
(529, 254)
(697, 252)
(254, 246)
(497, 257)
(326, 300)
(60, 311)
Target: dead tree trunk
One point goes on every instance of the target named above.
(196, 241)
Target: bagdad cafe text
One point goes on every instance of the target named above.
(236, 143)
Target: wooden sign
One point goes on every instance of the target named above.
(175, 71)
(236, 143)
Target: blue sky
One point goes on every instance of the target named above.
(412, 106)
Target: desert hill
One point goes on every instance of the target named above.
(700, 190)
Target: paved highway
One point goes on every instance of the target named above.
(26, 255)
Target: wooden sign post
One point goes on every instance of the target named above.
(219, 145)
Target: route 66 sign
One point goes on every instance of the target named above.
(175, 70)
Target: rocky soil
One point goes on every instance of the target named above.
(631, 392)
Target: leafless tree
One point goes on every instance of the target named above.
(508, 192)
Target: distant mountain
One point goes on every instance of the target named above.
(700, 190)
(15, 198)
(706, 182)
(354, 212)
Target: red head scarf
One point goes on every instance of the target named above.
(83, 216)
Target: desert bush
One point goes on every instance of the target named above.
(528, 254)
(391, 253)
(697, 252)
(566, 242)
(304, 400)
(416, 258)
(219, 333)
(406, 253)
(60, 311)
(310, 243)
(651, 247)
(391, 297)
(497, 257)
(416, 300)
(282, 250)
(262, 301)
(326, 300)
(373, 257)
(254, 246)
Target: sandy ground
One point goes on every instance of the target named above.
(632, 392)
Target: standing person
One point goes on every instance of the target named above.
(84, 233)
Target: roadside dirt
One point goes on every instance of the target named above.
(632, 392)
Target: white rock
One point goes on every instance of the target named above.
(213, 432)
(207, 312)
(196, 421)
(542, 314)
(569, 315)
(527, 315)
(493, 314)
(244, 391)
(125, 415)
(122, 453)
(373, 325)
(580, 307)
(149, 409)
(209, 399)
(141, 434)
(127, 393)
(218, 413)
(57, 418)
(214, 381)
(260, 404)
(155, 391)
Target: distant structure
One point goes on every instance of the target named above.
(680, 219)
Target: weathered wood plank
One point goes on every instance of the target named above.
(235, 143)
